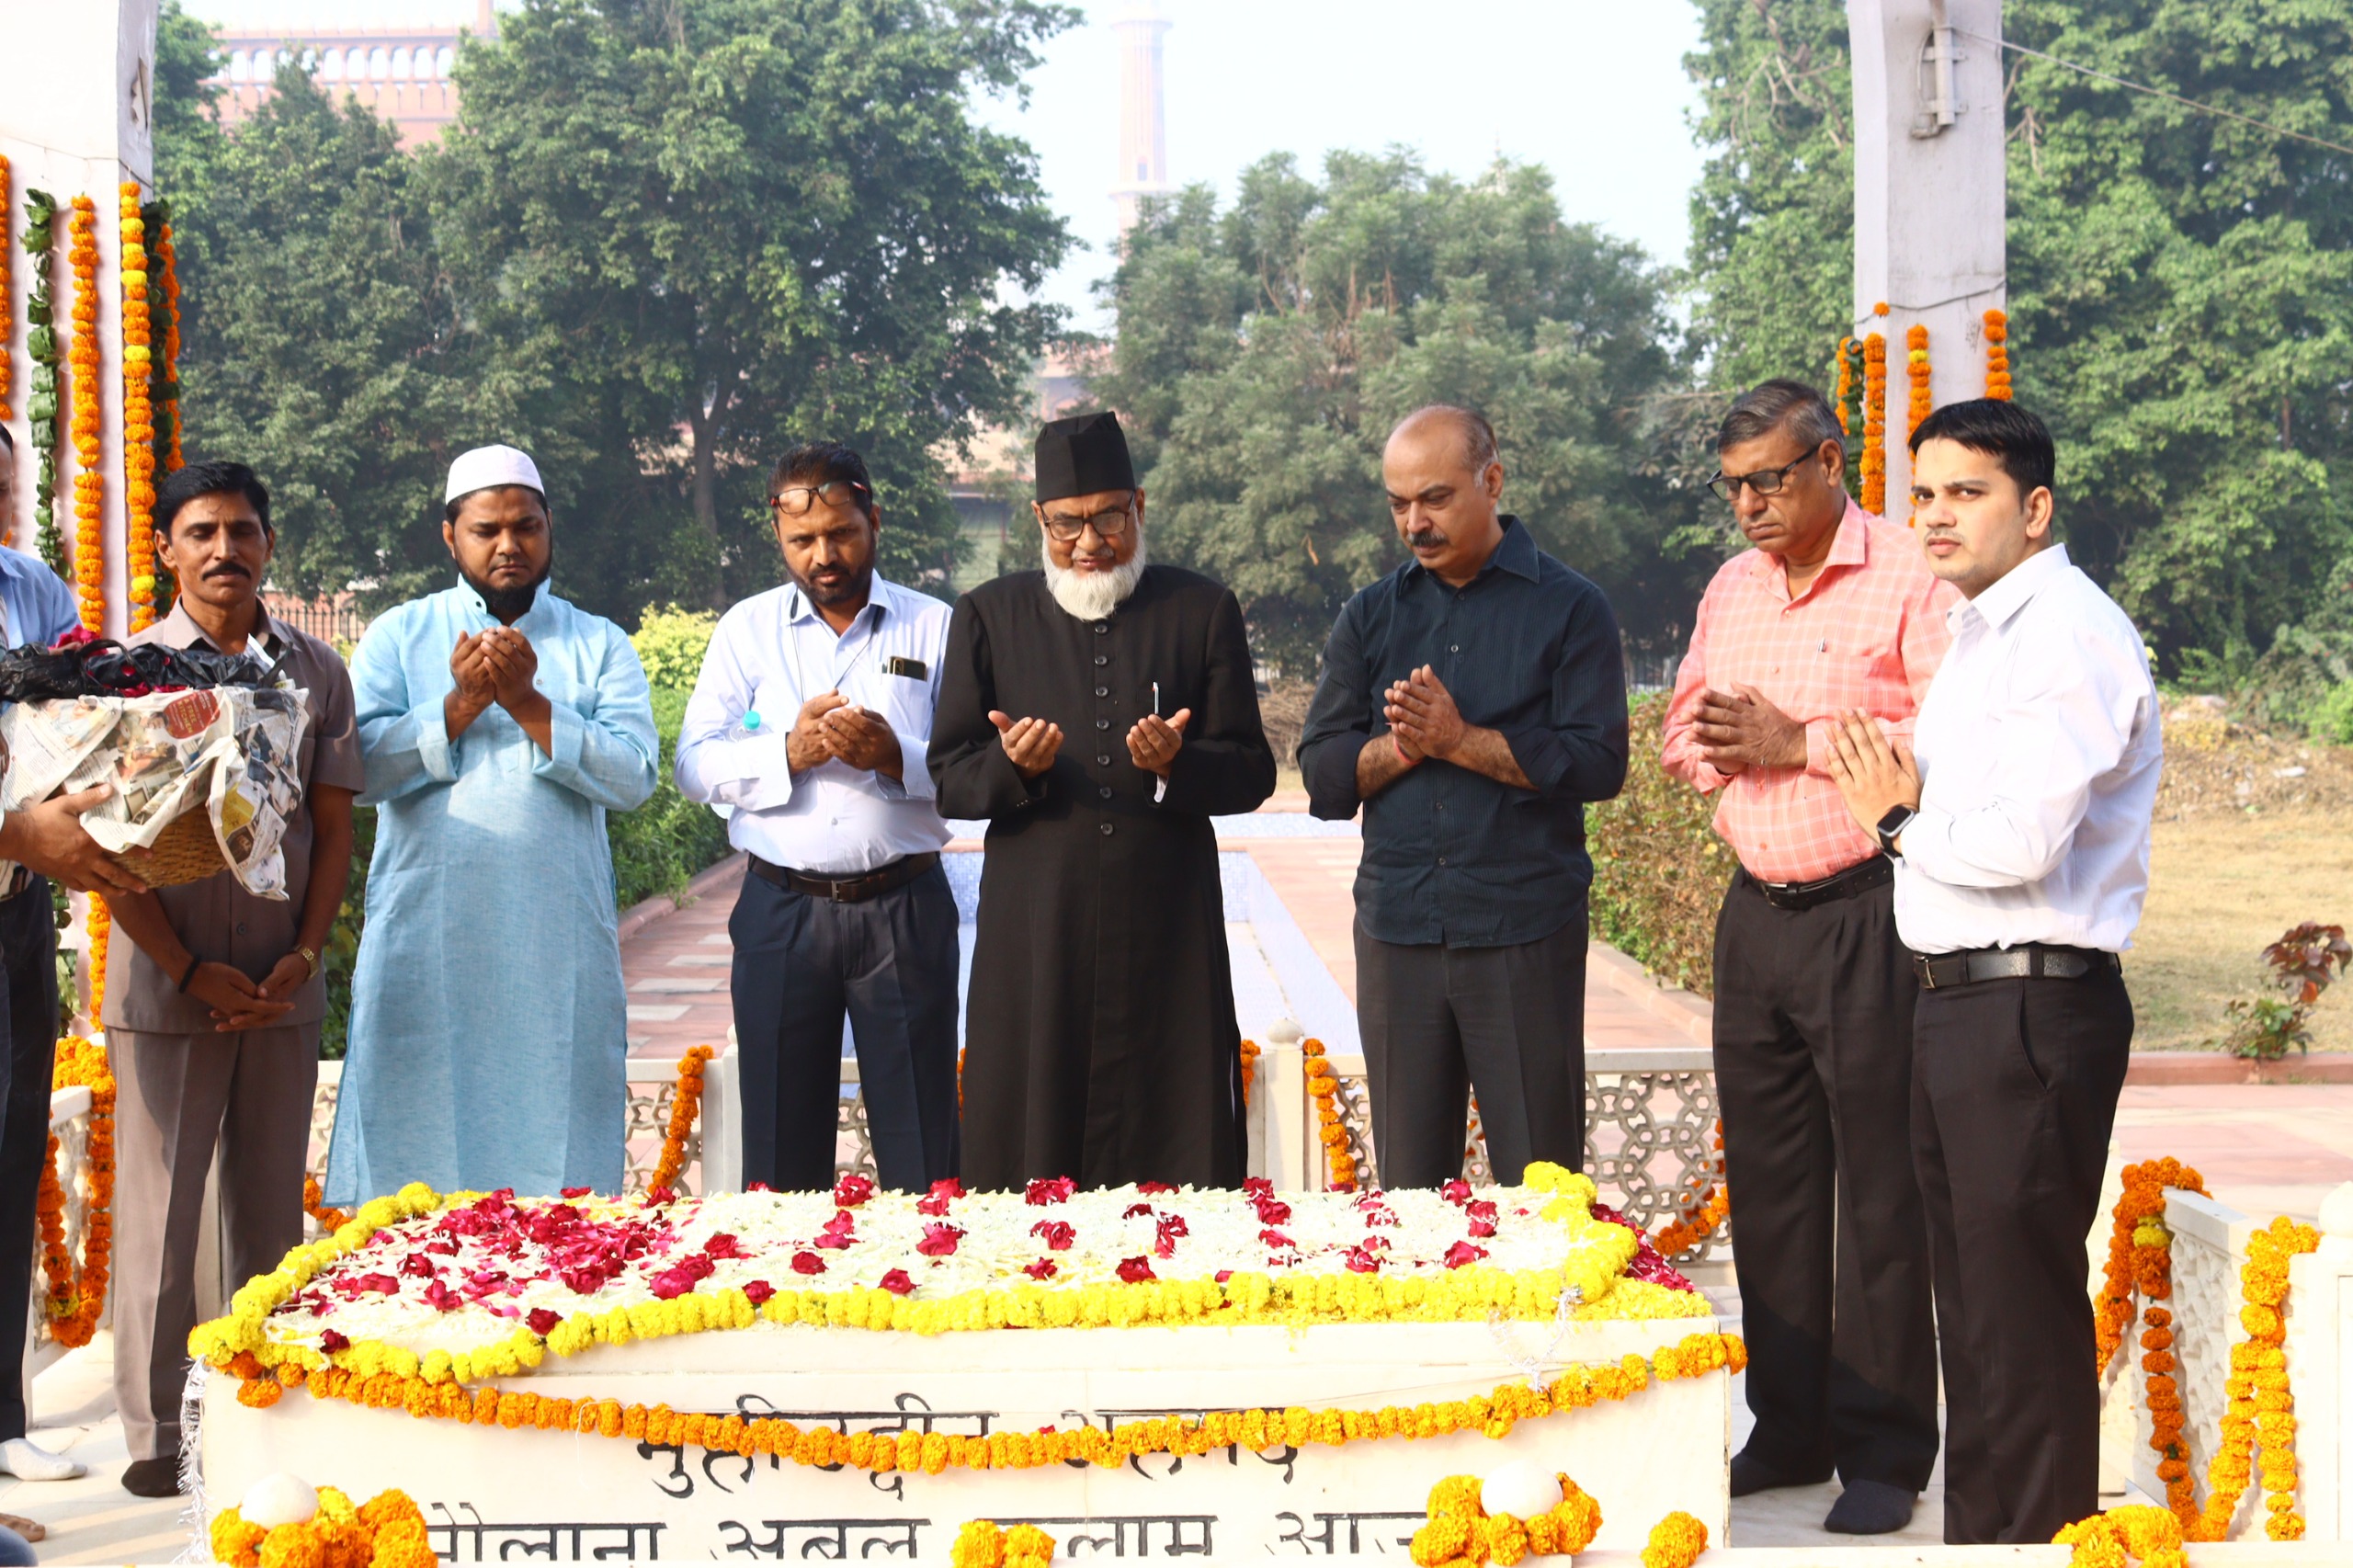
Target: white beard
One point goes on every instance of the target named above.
(1091, 596)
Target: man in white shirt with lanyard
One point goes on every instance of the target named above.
(808, 730)
(2021, 837)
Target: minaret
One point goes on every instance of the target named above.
(1144, 130)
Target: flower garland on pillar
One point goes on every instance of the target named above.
(8, 337)
(89, 499)
(76, 1298)
(1997, 356)
(1915, 358)
(164, 313)
(43, 404)
(138, 416)
(1873, 411)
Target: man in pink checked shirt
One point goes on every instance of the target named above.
(1832, 609)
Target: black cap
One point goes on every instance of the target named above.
(1082, 456)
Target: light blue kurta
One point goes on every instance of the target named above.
(488, 1022)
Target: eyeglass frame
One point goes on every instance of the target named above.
(1125, 512)
(815, 493)
(1726, 487)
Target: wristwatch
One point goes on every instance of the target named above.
(309, 956)
(1891, 826)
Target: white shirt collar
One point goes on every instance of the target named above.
(2016, 589)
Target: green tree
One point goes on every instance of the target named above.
(2181, 285)
(717, 225)
(1264, 351)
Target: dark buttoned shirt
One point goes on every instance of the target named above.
(217, 919)
(1528, 648)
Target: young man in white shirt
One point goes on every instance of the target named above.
(2021, 834)
(809, 727)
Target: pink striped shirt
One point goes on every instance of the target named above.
(1868, 632)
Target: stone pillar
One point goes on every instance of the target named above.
(1143, 130)
(2320, 1372)
(1930, 193)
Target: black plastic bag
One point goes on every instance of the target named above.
(103, 668)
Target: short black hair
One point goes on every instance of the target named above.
(450, 509)
(821, 462)
(2013, 437)
(7, 440)
(1781, 404)
(186, 485)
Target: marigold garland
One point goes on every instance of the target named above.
(1324, 1090)
(138, 414)
(99, 925)
(823, 1447)
(388, 1531)
(2138, 1531)
(44, 401)
(314, 1204)
(1915, 364)
(683, 1105)
(1249, 1069)
(7, 338)
(2140, 1262)
(1697, 1223)
(982, 1543)
(1997, 356)
(87, 430)
(1874, 460)
(1846, 384)
(2261, 1413)
(1675, 1541)
(75, 1300)
(165, 300)
(1461, 1533)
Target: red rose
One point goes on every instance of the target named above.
(1463, 1254)
(1134, 1270)
(1456, 1191)
(1153, 1186)
(898, 1284)
(723, 1245)
(1057, 1234)
(577, 1191)
(759, 1186)
(852, 1190)
(939, 1239)
(807, 1262)
(1275, 1238)
(1042, 1192)
(542, 1321)
(1042, 1269)
(1135, 1211)
(1362, 1260)
(331, 1342)
(839, 1232)
(758, 1292)
(942, 1194)
(1171, 1229)
(656, 1197)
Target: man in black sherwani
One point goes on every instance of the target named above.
(1097, 713)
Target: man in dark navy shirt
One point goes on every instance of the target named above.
(1473, 701)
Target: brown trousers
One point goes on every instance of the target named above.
(178, 1097)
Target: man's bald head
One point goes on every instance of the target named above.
(1468, 427)
(1444, 485)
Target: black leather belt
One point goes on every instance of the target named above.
(1860, 877)
(2030, 961)
(848, 889)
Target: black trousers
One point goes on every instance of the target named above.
(2014, 1097)
(1439, 1023)
(1813, 1073)
(890, 961)
(28, 964)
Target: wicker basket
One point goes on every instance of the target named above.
(185, 852)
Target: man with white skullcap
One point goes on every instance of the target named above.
(500, 724)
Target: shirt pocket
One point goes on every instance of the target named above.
(1858, 668)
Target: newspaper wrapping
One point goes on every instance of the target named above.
(231, 752)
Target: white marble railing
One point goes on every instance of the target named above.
(2320, 1370)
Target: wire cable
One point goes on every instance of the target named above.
(2158, 93)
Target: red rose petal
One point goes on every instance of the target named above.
(806, 1262)
(898, 1283)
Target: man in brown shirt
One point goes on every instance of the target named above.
(213, 1011)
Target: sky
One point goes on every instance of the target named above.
(1592, 89)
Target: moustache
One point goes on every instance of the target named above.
(1425, 538)
(227, 570)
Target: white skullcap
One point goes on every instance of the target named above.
(487, 466)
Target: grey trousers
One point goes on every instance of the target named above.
(1440, 1023)
(177, 1097)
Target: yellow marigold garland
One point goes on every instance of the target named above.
(982, 1543)
(1324, 1090)
(137, 416)
(388, 1531)
(314, 1204)
(1846, 384)
(2110, 1540)
(88, 434)
(1922, 402)
(683, 1105)
(1461, 1533)
(823, 1447)
(75, 1300)
(1675, 1541)
(2261, 1413)
(1874, 460)
(1997, 356)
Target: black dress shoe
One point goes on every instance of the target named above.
(153, 1477)
(1751, 1474)
(1870, 1507)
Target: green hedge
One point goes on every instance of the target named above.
(1659, 871)
(657, 850)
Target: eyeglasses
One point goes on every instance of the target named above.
(794, 500)
(1109, 524)
(1764, 481)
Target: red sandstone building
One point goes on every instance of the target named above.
(401, 73)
